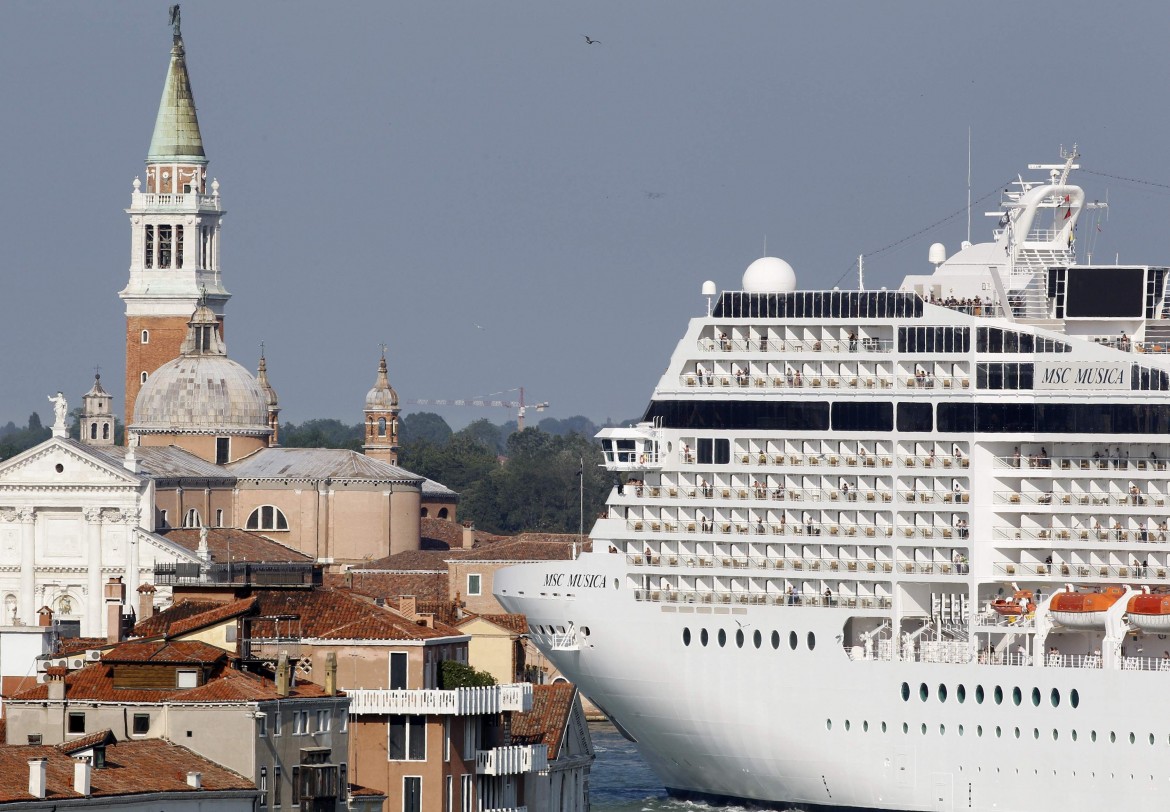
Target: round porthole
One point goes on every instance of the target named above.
(758, 638)
(703, 637)
(1036, 697)
(776, 640)
(792, 642)
(686, 637)
(905, 692)
(739, 638)
(59, 468)
(722, 638)
(942, 693)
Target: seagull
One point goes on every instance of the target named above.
(478, 327)
(590, 41)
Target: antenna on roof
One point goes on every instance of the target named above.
(968, 184)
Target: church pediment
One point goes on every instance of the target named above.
(62, 463)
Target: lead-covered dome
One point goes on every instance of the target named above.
(201, 394)
(382, 397)
(769, 275)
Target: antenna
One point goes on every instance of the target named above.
(968, 184)
(765, 245)
(861, 271)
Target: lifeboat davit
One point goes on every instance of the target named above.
(1019, 604)
(1150, 613)
(1084, 610)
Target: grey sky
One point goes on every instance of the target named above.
(404, 172)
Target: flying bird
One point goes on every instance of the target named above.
(591, 41)
(478, 327)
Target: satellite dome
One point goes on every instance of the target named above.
(769, 275)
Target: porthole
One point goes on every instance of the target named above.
(1055, 734)
(739, 638)
(686, 637)
(1112, 737)
(905, 692)
(812, 641)
(979, 731)
(1054, 698)
(960, 730)
(1151, 739)
(942, 730)
(848, 725)
(1073, 735)
(792, 642)
(828, 724)
(979, 694)
(1036, 733)
(1017, 695)
(1074, 698)
(923, 692)
(1092, 735)
(775, 640)
(905, 727)
(998, 732)
(924, 728)
(883, 727)
(865, 726)
(961, 694)
(998, 695)
(942, 693)
(722, 638)
(703, 637)
(1017, 733)
(1132, 738)
(1036, 697)
(758, 638)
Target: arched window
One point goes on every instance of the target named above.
(424, 513)
(105, 431)
(93, 431)
(143, 377)
(192, 519)
(219, 518)
(267, 517)
(146, 336)
(442, 513)
(162, 519)
(381, 427)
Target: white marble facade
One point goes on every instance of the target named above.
(69, 521)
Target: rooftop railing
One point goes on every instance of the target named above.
(456, 702)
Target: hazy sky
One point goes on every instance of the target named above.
(403, 172)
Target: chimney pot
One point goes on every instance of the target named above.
(282, 675)
(36, 777)
(331, 674)
(195, 780)
(82, 771)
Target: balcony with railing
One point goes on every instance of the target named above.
(455, 702)
(699, 596)
(190, 201)
(238, 572)
(515, 759)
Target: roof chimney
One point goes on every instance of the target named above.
(331, 674)
(282, 674)
(146, 601)
(195, 780)
(407, 606)
(55, 682)
(468, 535)
(115, 592)
(44, 616)
(36, 777)
(82, 771)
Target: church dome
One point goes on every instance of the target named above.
(201, 394)
(382, 397)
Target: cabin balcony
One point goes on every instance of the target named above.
(516, 759)
(457, 702)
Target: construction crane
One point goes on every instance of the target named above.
(519, 405)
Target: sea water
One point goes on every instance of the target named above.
(620, 780)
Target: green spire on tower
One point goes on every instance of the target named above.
(176, 135)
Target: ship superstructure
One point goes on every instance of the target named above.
(894, 549)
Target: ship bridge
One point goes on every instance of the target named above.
(638, 448)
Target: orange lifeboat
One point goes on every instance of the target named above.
(1150, 613)
(1019, 604)
(1084, 610)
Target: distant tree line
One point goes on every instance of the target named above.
(15, 439)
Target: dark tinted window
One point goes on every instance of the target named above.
(915, 417)
(862, 416)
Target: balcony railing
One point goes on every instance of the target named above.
(456, 702)
(188, 201)
(515, 759)
(761, 599)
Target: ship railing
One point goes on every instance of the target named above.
(755, 493)
(1075, 660)
(859, 345)
(1003, 658)
(1089, 571)
(690, 596)
(761, 528)
(1152, 346)
(944, 651)
(755, 379)
(1098, 463)
(652, 559)
(1093, 499)
(1146, 663)
(982, 309)
(993, 618)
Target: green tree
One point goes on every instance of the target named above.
(425, 426)
(485, 432)
(322, 433)
(454, 674)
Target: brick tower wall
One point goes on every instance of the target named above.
(166, 339)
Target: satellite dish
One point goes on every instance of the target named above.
(708, 288)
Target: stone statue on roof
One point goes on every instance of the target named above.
(175, 22)
(60, 413)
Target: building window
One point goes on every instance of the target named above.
(448, 792)
(397, 670)
(442, 513)
(192, 519)
(473, 585)
(324, 721)
(300, 723)
(263, 780)
(76, 722)
(381, 427)
(342, 781)
(467, 793)
(343, 723)
(412, 793)
(105, 431)
(141, 724)
(223, 448)
(266, 517)
(148, 252)
(407, 738)
(164, 246)
(261, 725)
(296, 786)
(93, 431)
(219, 518)
(162, 518)
(185, 678)
(146, 336)
(276, 717)
(424, 513)
(142, 378)
(446, 738)
(277, 794)
(178, 246)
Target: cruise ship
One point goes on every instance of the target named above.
(894, 549)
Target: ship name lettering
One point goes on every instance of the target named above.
(584, 581)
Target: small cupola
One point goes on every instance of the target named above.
(97, 420)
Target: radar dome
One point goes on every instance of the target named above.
(937, 255)
(769, 275)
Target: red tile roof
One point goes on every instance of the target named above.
(334, 614)
(526, 548)
(241, 545)
(180, 610)
(132, 768)
(180, 619)
(513, 623)
(159, 652)
(79, 645)
(425, 586)
(86, 742)
(546, 722)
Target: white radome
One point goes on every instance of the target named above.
(769, 275)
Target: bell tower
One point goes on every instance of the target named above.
(97, 418)
(381, 418)
(174, 233)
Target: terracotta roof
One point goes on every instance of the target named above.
(513, 623)
(182, 609)
(79, 645)
(522, 549)
(425, 586)
(86, 742)
(546, 722)
(169, 652)
(132, 767)
(366, 792)
(451, 532)
(241, 545)
(335, 614)
(184, 620)
(413, 561)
